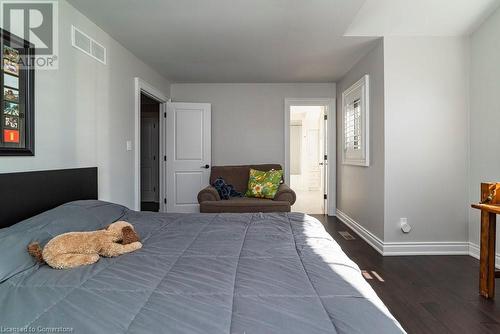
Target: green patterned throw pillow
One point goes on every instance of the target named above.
(264, 184)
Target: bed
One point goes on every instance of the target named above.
(196, 273)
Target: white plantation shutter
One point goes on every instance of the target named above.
(352, 126)
(356, 123)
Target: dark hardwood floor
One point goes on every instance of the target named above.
(427, 294)
(150, 206)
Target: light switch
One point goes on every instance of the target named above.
(129, 145)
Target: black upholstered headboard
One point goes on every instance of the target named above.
(25, 194)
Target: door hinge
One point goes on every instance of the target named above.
(324, 196)
(325, 117)
(165, 115)
(325, 157)
(164, 158)
(165, 200)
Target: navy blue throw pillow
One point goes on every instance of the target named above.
(225, 190)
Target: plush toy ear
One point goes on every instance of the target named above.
(129, 235)
(35, 250)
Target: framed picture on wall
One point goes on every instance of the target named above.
(17, 81)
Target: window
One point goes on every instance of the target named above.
(355, 124)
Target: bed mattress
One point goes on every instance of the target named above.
(196, 273)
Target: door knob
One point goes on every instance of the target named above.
(206, 166)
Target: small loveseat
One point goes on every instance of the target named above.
(210, 201)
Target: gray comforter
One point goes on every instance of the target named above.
(196, 273)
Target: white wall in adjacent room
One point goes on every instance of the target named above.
(248, 119)
(484, 115)
(426, 138)
(84, 111)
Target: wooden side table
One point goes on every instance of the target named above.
(490, 207)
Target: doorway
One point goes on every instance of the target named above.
(150, 153)
(307, 175)
(307, 145)
(147, 97)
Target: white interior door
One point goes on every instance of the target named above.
(149, 160)
(188, 143)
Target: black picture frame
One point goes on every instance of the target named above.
(26, 91)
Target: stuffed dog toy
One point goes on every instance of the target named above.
(73, 249)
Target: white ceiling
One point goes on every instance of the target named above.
(420, 17)
(235, 40)
(267, 40)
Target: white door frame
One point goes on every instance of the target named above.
(331, 144)
(142, 86)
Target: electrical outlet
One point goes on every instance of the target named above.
(405, 227)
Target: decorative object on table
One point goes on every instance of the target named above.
(17, 101)
(489, 194)
(262, 184)
(74, 249)
(225, 190)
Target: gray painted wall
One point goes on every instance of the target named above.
(484, 115)
(248, 119)
(426, 138)
(85, 111)
(360, 190)
(419, 141)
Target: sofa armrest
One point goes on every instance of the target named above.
(208, 194)
(285, 193)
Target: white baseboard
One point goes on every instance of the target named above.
(426, 248)
(405, 248)
(366, 235)
(474, 252)
(413, 248)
